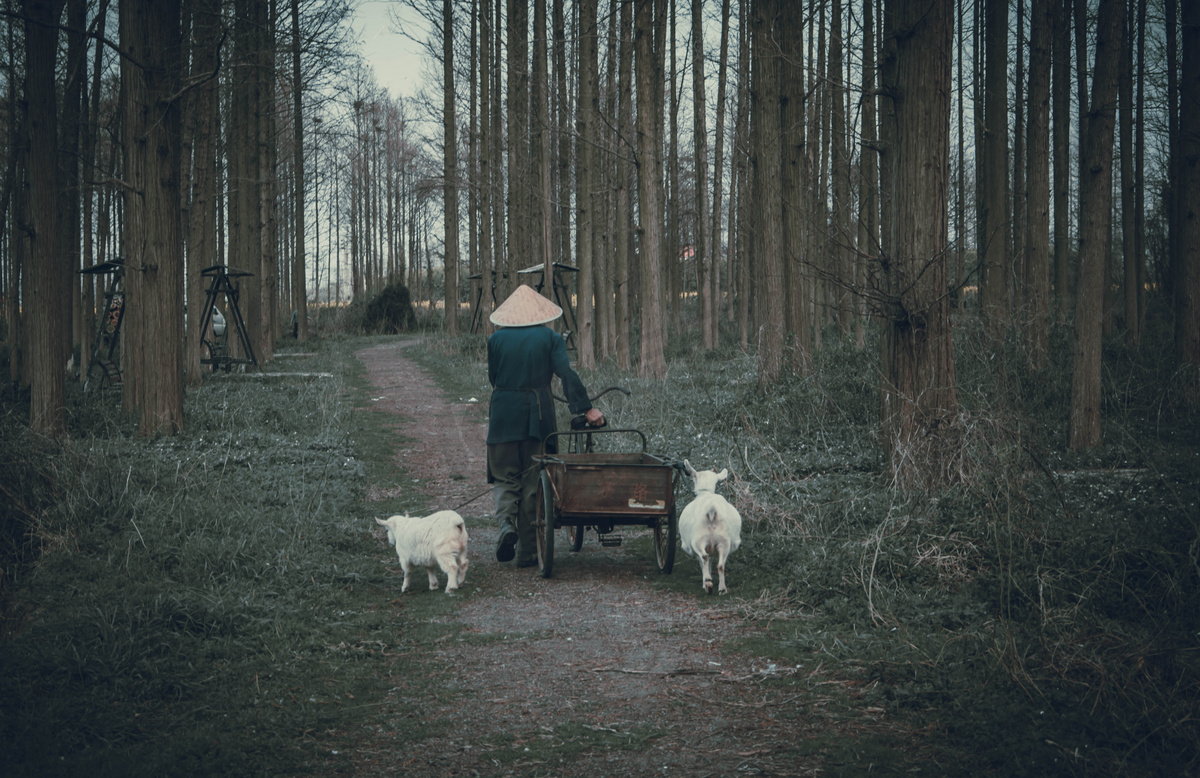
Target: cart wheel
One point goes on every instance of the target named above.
(575, 535)
(544, 524)
(666, 537)
(666, 532)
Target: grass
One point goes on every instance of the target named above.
(212, 603)
(216, 603)
(1040, 616)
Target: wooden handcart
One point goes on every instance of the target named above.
(583, 489)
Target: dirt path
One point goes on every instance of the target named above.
(595, 671)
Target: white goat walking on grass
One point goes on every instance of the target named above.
(439, 539)
(709, 525)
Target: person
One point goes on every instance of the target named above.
(523, 356)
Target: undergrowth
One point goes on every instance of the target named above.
(1041, 615)
(212, 603)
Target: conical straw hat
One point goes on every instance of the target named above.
(524, 308)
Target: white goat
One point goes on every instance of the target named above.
(709, 525)
(439, 539)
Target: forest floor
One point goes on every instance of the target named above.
(599, 670)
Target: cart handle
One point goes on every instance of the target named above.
(592, 431)
(598, 396)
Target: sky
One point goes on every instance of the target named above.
(399, 62)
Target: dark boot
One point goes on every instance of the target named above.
(506, 545)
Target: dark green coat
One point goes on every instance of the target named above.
(521, 362)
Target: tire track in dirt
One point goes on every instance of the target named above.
(594, 671)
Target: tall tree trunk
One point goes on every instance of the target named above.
(623, 217)
(585, 177)
(484, 183)
(1061, 98)
(994, 227)
(1095, 208)
(520, 191)
(449, 169)
(794, 182)
(245, 177)
(841, 243)
(769, 293)
(1139, 224)
(202, 214)
(1128, 184)
(150, 35)
(48, 292)
(299, 286)
(1187, 294)
(702, 254)
(1037, 222)
(919, 396)
(673, 245)
(68, 161)
(653, 362)
(1019, 164)
(268, 152)
(868, 219)
(541, 210)
(712, 335)
(88, 144)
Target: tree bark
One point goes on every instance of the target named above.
(703, 256)
(994, 227)
(48, 290)
(520, 191)
(919, 395)
(1061, 98)
(1095, 207)
(299, 285)
(769, 293)
(202, 214)
(449, 170)
(794, 181)
(623, 217)
(1128, 184)
(653, 362)
(1187, 295)
(1037, 221)
(712, 334)
(585, 178)
(150, 35)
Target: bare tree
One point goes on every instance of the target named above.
(1095, 208)
(713, 310)
(1061, 99)
(653, 358)
(299, 290)
(994, 226)
(48, 289)
(150, 80)
(520, 194)
(1037, 221)
(450, 169)
(917, 362)
(769, 297)
(794, 182)
(586, 176)
(1187, 291)
(202, 211)
(700, 160)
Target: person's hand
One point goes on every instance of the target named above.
(595, 417)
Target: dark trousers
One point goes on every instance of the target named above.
(516, 476)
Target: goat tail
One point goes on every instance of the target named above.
(712, 515)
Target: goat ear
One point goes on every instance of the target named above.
(691, 470)
(721, 476)
(381, 521)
